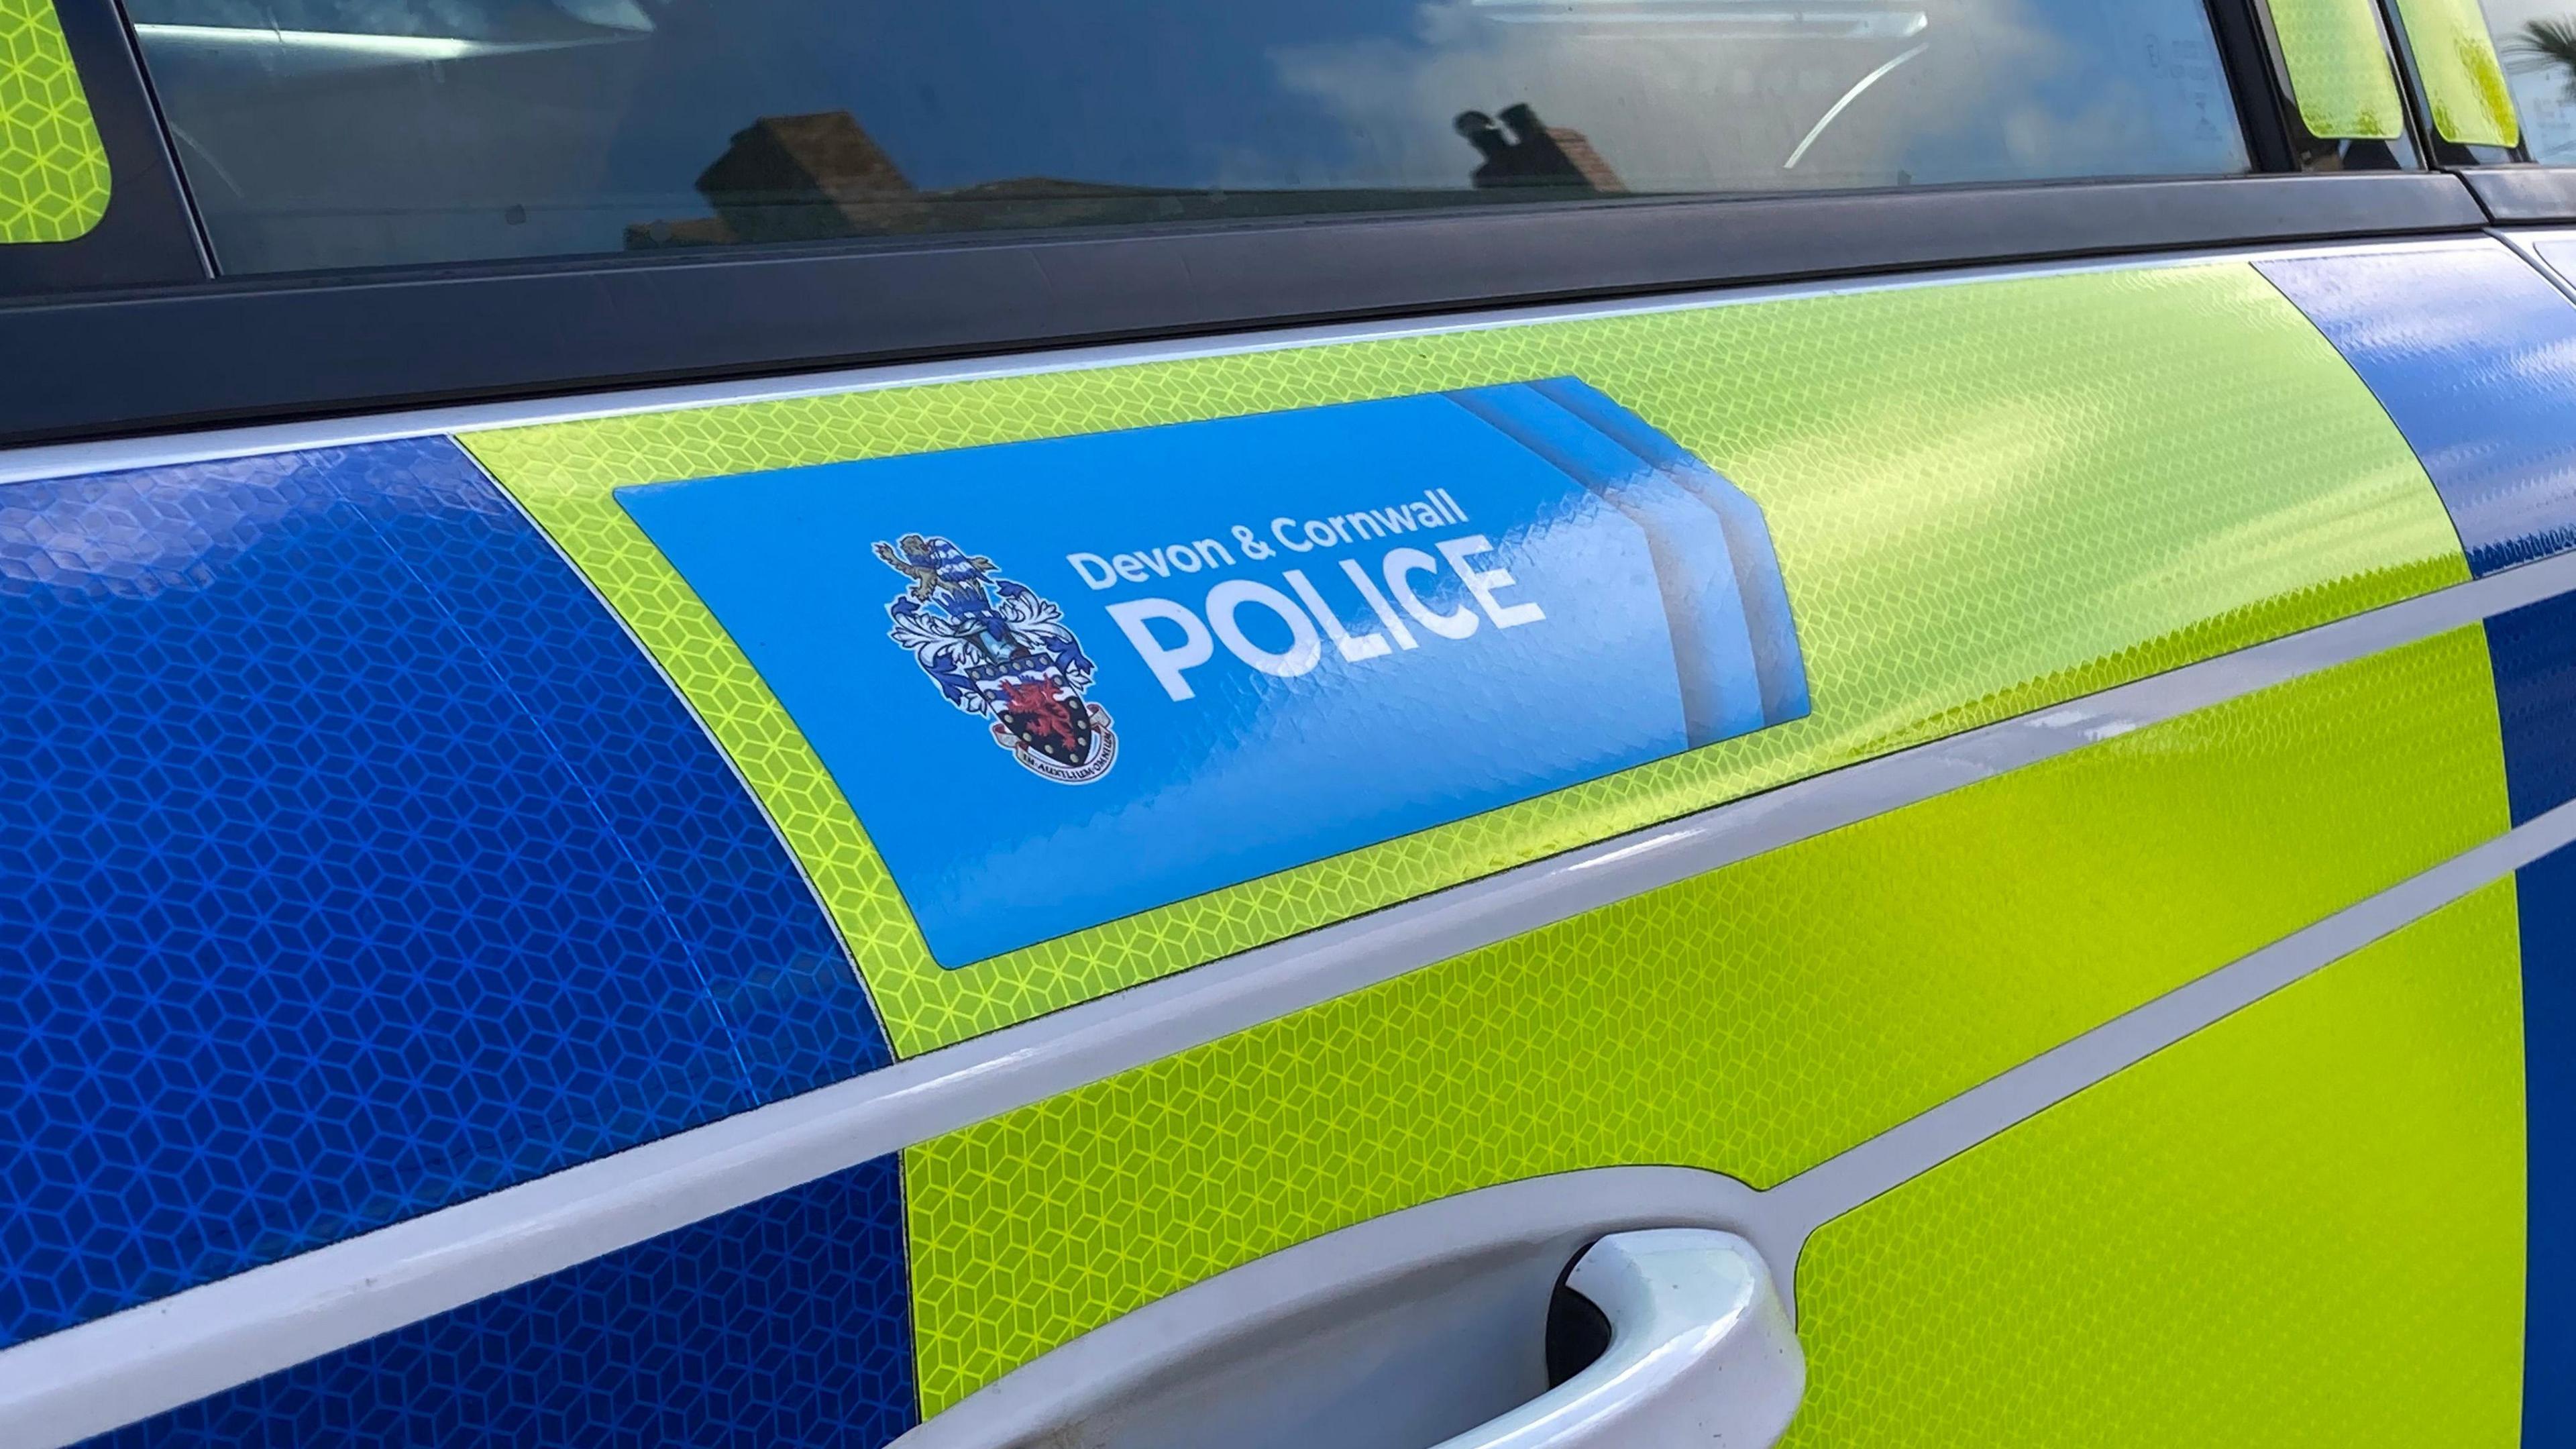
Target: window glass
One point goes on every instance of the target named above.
(2457, 69)
(53, 170)
(2537, 39)
(339, 133)
(2338, 67)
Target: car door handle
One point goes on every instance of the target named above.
(1404, 1330)
(1700, 1352)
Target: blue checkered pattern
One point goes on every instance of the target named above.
(2473, 353)
(360, 864)
(2546, 890)
(2534, 652)
(781, 1325)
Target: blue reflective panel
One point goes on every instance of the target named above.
(2534, 653)
(1204, 652)
(781, 1325)
(735, 898)
(361, 864)
(2473, 353)
(2547, 890)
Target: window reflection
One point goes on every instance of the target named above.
(333, 133)
(2537, 41)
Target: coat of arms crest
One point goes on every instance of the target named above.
(998, 650)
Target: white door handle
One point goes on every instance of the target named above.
(1701, 1352)
(1399, 1331)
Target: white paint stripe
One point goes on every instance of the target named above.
(128, 1365)
(1515, 1238)
(2526, 243)
(1832, 1188)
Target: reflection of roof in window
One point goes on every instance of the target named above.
(340, 47)
(548, 130)
(334, 34)
(822, 176)
(1760, 20)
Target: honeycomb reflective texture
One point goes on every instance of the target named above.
(1754, 1020)
(780, 1325)
(2300, 1226)
(53, 171)
(2534, 648)
(359, 864)
(736, 902)
(1986, 497)
(2473, 353)
(2339, 70)
(2547, 888)
(2461, 76)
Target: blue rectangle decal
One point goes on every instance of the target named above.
(1067, 680)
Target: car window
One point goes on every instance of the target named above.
(2537, 41)
(53, 169)
(2459, 76)
(350, 133)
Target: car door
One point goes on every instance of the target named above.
(1478, 725)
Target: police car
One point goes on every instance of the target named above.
(1385, 723)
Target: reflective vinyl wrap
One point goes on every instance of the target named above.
(360, 864)
(1568, 586)
(53, 169)
(1406, 1093)
(374, 865)
(2462, 76)
(2215, 1245)
(2535, 668)
(781, 1324)
(2548, 893)
(1753, 1021)
(1985, 497)
(2340, 77)
(2473, 353)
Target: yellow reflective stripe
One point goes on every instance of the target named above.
(2339, 71)
(2218, 1245)
(1753, 1021)
(1987, 498)
(2456, 64)
(53, 169)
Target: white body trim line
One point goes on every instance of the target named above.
(127, 1365)
(1098, 1379)
(1836, 1186)
(59, 460)
(2525, 242)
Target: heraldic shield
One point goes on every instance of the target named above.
(995, 648)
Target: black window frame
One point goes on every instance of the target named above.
(155, 341)
(2524, 195)
(148, 234)
(2509, 185)
(2445, 153)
